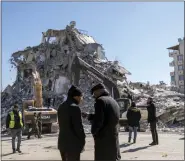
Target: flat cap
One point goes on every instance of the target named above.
(96, 87)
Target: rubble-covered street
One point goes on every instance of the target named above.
(171, 147)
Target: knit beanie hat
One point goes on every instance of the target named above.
(74, 91)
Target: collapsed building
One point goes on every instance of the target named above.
(169, 104)
(53, 62)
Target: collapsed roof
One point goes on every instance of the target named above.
(51, 62)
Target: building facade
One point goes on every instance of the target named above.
(177, 75)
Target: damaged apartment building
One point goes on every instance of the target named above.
(53, 62)
(177, 75)
(70, 56)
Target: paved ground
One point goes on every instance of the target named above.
(171, 148)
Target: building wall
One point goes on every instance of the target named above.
(177, 64)
(181, 50)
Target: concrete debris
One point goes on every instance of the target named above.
(169, 104)
(52, 61)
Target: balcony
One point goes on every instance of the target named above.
(180, 72)
(172, 64)
(179, 62)
(181, 82)
(178, 53)
(173, 83)
(172, 73)
(173, 53)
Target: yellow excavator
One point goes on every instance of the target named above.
(48, 115)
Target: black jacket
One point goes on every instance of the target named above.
(71, 135)
(17, 120)
(151, 113)
(105, 128)
(133, 116)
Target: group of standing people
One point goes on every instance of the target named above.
(134, 116)
(104, 125)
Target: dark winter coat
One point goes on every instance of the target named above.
(133, 117)
(105, 128)
(71, 135)
(151, 113)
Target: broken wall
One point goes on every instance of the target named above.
(52, 59)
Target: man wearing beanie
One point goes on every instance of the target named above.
(105, 123)
(71, 140)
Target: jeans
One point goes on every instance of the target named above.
(18, 133)
(131, 129)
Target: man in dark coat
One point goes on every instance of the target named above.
(152, 120)
(105, 124)
(133, 117)
(71, 140)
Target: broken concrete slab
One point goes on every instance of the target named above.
(52, 59)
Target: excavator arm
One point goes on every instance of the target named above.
(80, 65)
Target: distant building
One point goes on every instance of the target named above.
(177, 75)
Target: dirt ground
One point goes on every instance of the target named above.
(171, 147)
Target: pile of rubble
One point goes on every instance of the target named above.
(169, 104)
(51, 62)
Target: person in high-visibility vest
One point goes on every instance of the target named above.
(15, 123)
